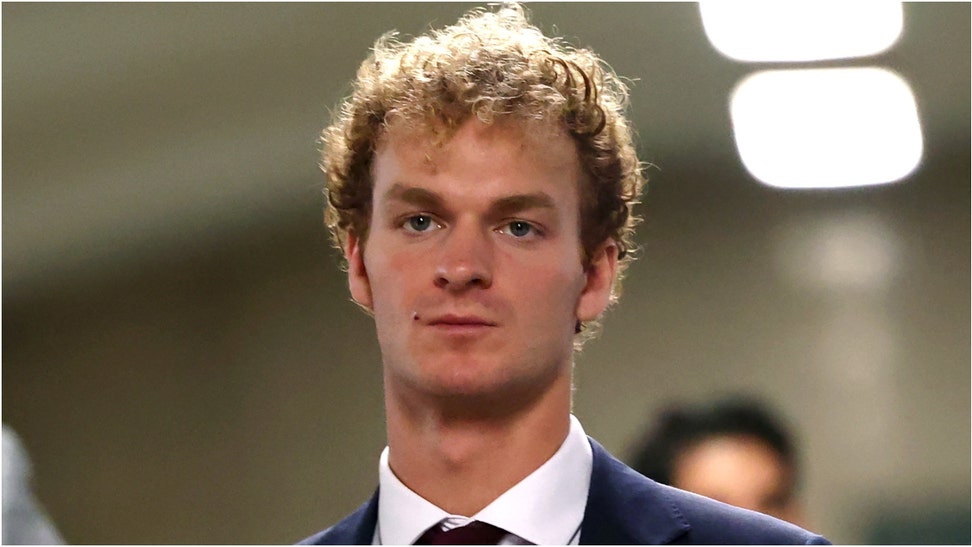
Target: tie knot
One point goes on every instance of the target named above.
(474, 533)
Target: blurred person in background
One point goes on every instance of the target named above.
(735, 450)
(481, 180)
(24, 520)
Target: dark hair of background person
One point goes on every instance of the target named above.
(680, 427)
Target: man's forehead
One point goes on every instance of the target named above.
(505, 168)
(432, 143)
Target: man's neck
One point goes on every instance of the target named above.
(461, 462)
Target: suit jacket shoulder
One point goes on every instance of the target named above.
(358, 528)
(625, 508)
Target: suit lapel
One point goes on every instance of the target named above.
(623, 507)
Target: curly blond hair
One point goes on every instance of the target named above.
(491, 64)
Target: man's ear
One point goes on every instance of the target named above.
(596, 296)
(358, 280)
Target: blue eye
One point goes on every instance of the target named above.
(518, 228)
(420, 223)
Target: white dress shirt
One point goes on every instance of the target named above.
(545, 508)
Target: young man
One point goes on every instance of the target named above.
(480, 184)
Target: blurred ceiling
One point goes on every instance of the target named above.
(129, 129)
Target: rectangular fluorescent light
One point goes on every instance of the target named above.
(826, 128)
(800, 30)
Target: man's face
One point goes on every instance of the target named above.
(473, 263)
(739, 470)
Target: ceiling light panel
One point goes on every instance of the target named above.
(799, 30)
(826, 128)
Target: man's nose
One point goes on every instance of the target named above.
(465, 259)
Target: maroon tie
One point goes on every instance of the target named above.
(474, 533)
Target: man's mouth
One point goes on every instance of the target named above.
(460, 323)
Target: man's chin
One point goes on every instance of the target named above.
(468, 389)
(483, 398)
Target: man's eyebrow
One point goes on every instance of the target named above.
(507, 205)
(413, 196)
(522, 202)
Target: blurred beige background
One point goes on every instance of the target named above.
(181, 358)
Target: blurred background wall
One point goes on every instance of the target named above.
(181, 358)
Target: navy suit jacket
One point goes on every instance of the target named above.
(625, 508)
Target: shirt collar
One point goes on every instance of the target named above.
(545, 508)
